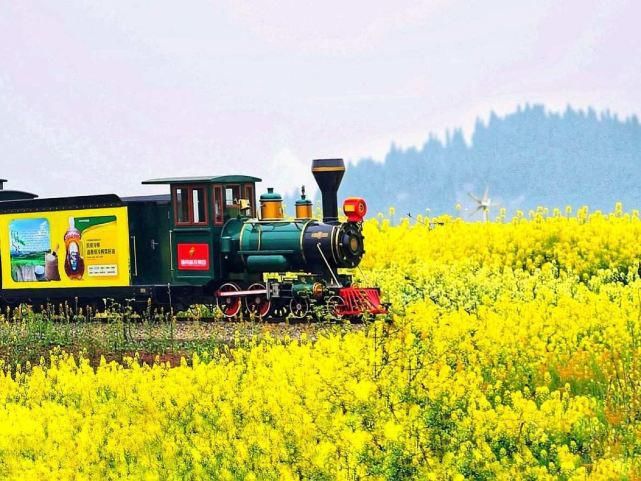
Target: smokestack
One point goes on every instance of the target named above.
(328, 174)
(2, 181)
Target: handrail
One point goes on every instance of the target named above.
(133, 238)
(171, 250)
(331, 271)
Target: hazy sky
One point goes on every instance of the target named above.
(97, 95)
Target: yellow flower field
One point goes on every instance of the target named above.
(513, 352)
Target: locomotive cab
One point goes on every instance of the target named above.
(199, 209)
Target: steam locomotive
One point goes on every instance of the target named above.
(205, 242)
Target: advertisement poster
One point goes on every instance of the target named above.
(82, 248)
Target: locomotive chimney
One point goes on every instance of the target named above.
(2, 181)
(328, 174)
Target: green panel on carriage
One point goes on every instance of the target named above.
(149, 239)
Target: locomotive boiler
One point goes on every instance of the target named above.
(274, 244)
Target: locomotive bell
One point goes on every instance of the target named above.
(328, 174)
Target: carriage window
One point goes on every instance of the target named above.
(182, 206)
(198, 199)
(218, 204)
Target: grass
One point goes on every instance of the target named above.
(27, 336)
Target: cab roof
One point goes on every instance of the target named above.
(220, 179)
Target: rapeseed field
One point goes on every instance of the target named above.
(513, 351)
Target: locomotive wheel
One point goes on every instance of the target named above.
(299, 308)
(230, 305)
(334, 305)
(280, 311)
(258, 303)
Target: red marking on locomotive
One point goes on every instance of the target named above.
(193, 257)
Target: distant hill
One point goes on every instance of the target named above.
(528, 158)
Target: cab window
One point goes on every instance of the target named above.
(218, 205)
(232, 194)
(199, 205)
(190, 205)
(249, 195)
(182, 205)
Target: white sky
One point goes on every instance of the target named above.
(97, 96)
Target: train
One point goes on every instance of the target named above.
(207, 241)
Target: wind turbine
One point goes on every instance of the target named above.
(484, 204)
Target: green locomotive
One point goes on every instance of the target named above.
(207, 241)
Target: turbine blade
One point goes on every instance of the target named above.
(474, 198)
(471, 214)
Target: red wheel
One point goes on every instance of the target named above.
(230, 305)
(258, 303)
